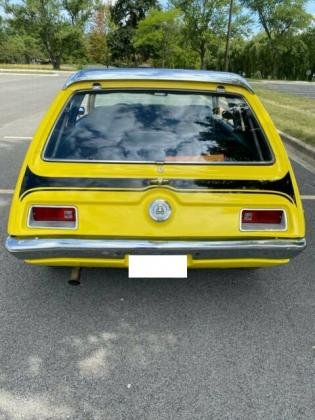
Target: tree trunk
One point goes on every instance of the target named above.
(202, 53)
(55, 61)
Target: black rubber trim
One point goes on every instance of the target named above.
(282, 186)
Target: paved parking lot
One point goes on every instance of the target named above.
(222, 344)
(306, 89)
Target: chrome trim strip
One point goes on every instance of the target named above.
(99, 74)
(40, 248)
(152, 162)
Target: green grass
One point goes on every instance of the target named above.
(292, 114)
(65, 67)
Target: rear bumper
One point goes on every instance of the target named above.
(44, 248)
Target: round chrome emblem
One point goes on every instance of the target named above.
(160, 210)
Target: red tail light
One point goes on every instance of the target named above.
(263, 219)
(59, 217)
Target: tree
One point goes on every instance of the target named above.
(206, 26)
(281, 20)
(254, 57)
(294, 60)
(203, 20)
(49, 22)
(309, 39)
(130, 12)
(79, 11)
(17, 47)
(159, 37)
(98, 49)
(126, 14)
(3, 32)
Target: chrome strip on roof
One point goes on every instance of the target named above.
(100, 74)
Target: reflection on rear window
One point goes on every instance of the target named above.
(157, 126)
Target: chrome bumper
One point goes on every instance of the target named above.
(42, 248)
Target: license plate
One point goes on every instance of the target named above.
(157, 266)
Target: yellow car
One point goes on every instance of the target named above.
(150, 162)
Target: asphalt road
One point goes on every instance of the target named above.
(306, 89)
(222, 344)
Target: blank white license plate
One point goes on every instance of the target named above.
(158, 266)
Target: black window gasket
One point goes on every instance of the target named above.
(150, 90)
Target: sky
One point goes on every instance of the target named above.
(311, 7)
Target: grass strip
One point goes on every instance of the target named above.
(64, 67)
(292, 114)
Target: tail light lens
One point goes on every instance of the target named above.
(265, 219)
(53, 217)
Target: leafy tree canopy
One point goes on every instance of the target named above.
(280, 17)
(48, 21)
(206, 23)
(80, 11)
(130, 12)
(159, 36)
(174, 33)
(126, 14)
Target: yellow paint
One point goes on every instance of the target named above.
(124, 214)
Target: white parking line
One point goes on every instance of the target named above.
(17, 137)
(302, 162)
(300, 159)
(10, 73)
(6, 191)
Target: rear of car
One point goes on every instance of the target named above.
(130, 162)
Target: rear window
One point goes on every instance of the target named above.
(157, 126)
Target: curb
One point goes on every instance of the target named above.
(35, 71)
(299, 145)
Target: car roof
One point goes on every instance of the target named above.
(100, 74)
